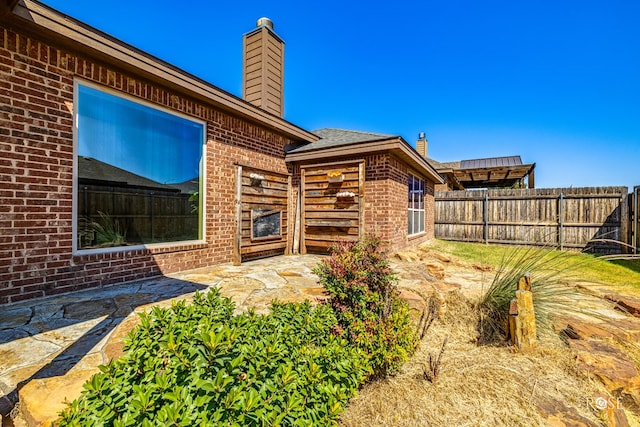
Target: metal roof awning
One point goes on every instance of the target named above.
(490, 177)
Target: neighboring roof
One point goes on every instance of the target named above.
(491, 162)
(36, 18)
(92, 171)
(485, 173)
(339, 143)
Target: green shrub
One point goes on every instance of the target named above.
(197, 364)
(364, 296)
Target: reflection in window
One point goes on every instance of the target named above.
(139, 172)
(266, 223)
(416, 205)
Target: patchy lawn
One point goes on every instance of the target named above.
(584, 267)
(562, 380)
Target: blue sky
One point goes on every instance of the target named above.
(556, 82)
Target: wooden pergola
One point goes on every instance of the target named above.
(496, 172)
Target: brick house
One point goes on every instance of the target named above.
(116, 166)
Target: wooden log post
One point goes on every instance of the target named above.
(524, 283)
(522, 319)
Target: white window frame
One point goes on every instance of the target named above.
(203, 174)
(416, 228)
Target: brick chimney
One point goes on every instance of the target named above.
(263, 68)
(422, 145)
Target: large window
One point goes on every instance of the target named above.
(139, 172)
(416, 205)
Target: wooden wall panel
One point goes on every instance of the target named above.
(270, 193)
(326, 217)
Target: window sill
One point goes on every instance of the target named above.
(152, 249)
(415, 236)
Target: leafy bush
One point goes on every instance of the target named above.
(197, 364)
(364, 297)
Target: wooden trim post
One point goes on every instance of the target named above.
(237, 241)
(303, 245)
(288, 250)
(361, 183)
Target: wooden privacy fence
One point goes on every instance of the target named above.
(144, 215)
(592, 218)
(635, 219)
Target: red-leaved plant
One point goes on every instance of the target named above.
(364, 296)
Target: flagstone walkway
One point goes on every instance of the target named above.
(50, 347)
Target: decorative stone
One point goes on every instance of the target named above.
(303, 282)
(114, 347)
(269, 279)
(625, 303)
(435, 269)
(40, 407)
(482, 267)
(446, 287)
(239, 288)
(14, 317)
(617, 417)
(25, 351)
(90, 309)
(289, 273)
(557, 414)
(580, 329)
(615, 369)
(523, 329)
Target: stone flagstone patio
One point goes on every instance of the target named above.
(50, 347)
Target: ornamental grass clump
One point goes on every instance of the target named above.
(364, 296)
(550, 271)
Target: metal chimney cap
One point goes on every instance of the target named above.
(265, 22)
(421, 135)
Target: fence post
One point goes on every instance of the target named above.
(561, 221)
(634, 207)
(486, 218)
(624, 222)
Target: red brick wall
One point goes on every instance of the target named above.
(36, 167)
(386, 210)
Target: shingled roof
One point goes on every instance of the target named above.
(336, 137)
(92, 171)
(340, 143)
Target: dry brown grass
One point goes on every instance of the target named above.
(477, 385)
